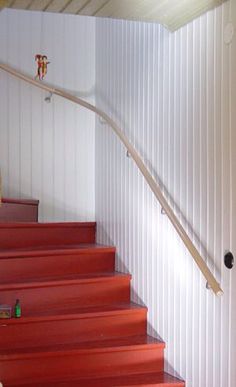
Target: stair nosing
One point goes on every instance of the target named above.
(45, 251)
(177, 381)
(37, 225)
(60, 281)
(61, 350)
(134, 308)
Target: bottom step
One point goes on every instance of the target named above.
(103, 358)
(144, 380)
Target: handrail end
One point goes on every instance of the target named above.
(215, 287)
(220, 292)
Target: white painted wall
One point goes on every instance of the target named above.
(174, 95)
(47, 150)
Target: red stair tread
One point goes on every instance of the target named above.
(161, 379)
(67, 312)
(46, 225)
(116, 344)
(20, 201)
(27, 234)
(61, 280)
(51, 250)
(73, 325)
(19, 265)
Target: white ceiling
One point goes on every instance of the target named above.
(171, 13)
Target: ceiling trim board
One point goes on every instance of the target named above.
(66, 5)
(83, 6)
(91, 8)
(39, 5)
(74, 6)
(173, 14)
(106, 2)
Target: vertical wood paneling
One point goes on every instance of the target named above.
(4, 85)
(47, 150)
(174, 95)
(233, 195)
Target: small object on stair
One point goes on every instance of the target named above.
(17, 309)
(5, 312)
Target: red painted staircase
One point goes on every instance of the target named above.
(78, 325)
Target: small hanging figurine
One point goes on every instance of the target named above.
(39, 60)
(42, 65)
(45, 66)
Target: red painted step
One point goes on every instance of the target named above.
(71, 290)
(59, 326)
(19, 210)
(157, 379)
(78, 327)
(21, 264)
(25, 235)
(124, 356)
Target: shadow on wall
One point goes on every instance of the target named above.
(61, 213)
(81, 94)
(135, 297)
(55, 213)
(183, 220)
(193, 235)
(113, 112)
(168, 367)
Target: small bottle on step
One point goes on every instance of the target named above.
(17, 309)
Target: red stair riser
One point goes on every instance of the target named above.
(18, 212)
(102, 292)
(25, 235)
(13, 269)
(84, 363)
(61, 331)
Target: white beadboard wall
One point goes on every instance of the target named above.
(174, 95)
(47, 150)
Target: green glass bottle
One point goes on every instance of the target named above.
(17, 309)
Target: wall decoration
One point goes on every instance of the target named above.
(42, 66)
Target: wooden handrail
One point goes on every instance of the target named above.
(213, 284)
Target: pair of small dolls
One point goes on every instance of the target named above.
(42, 66)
